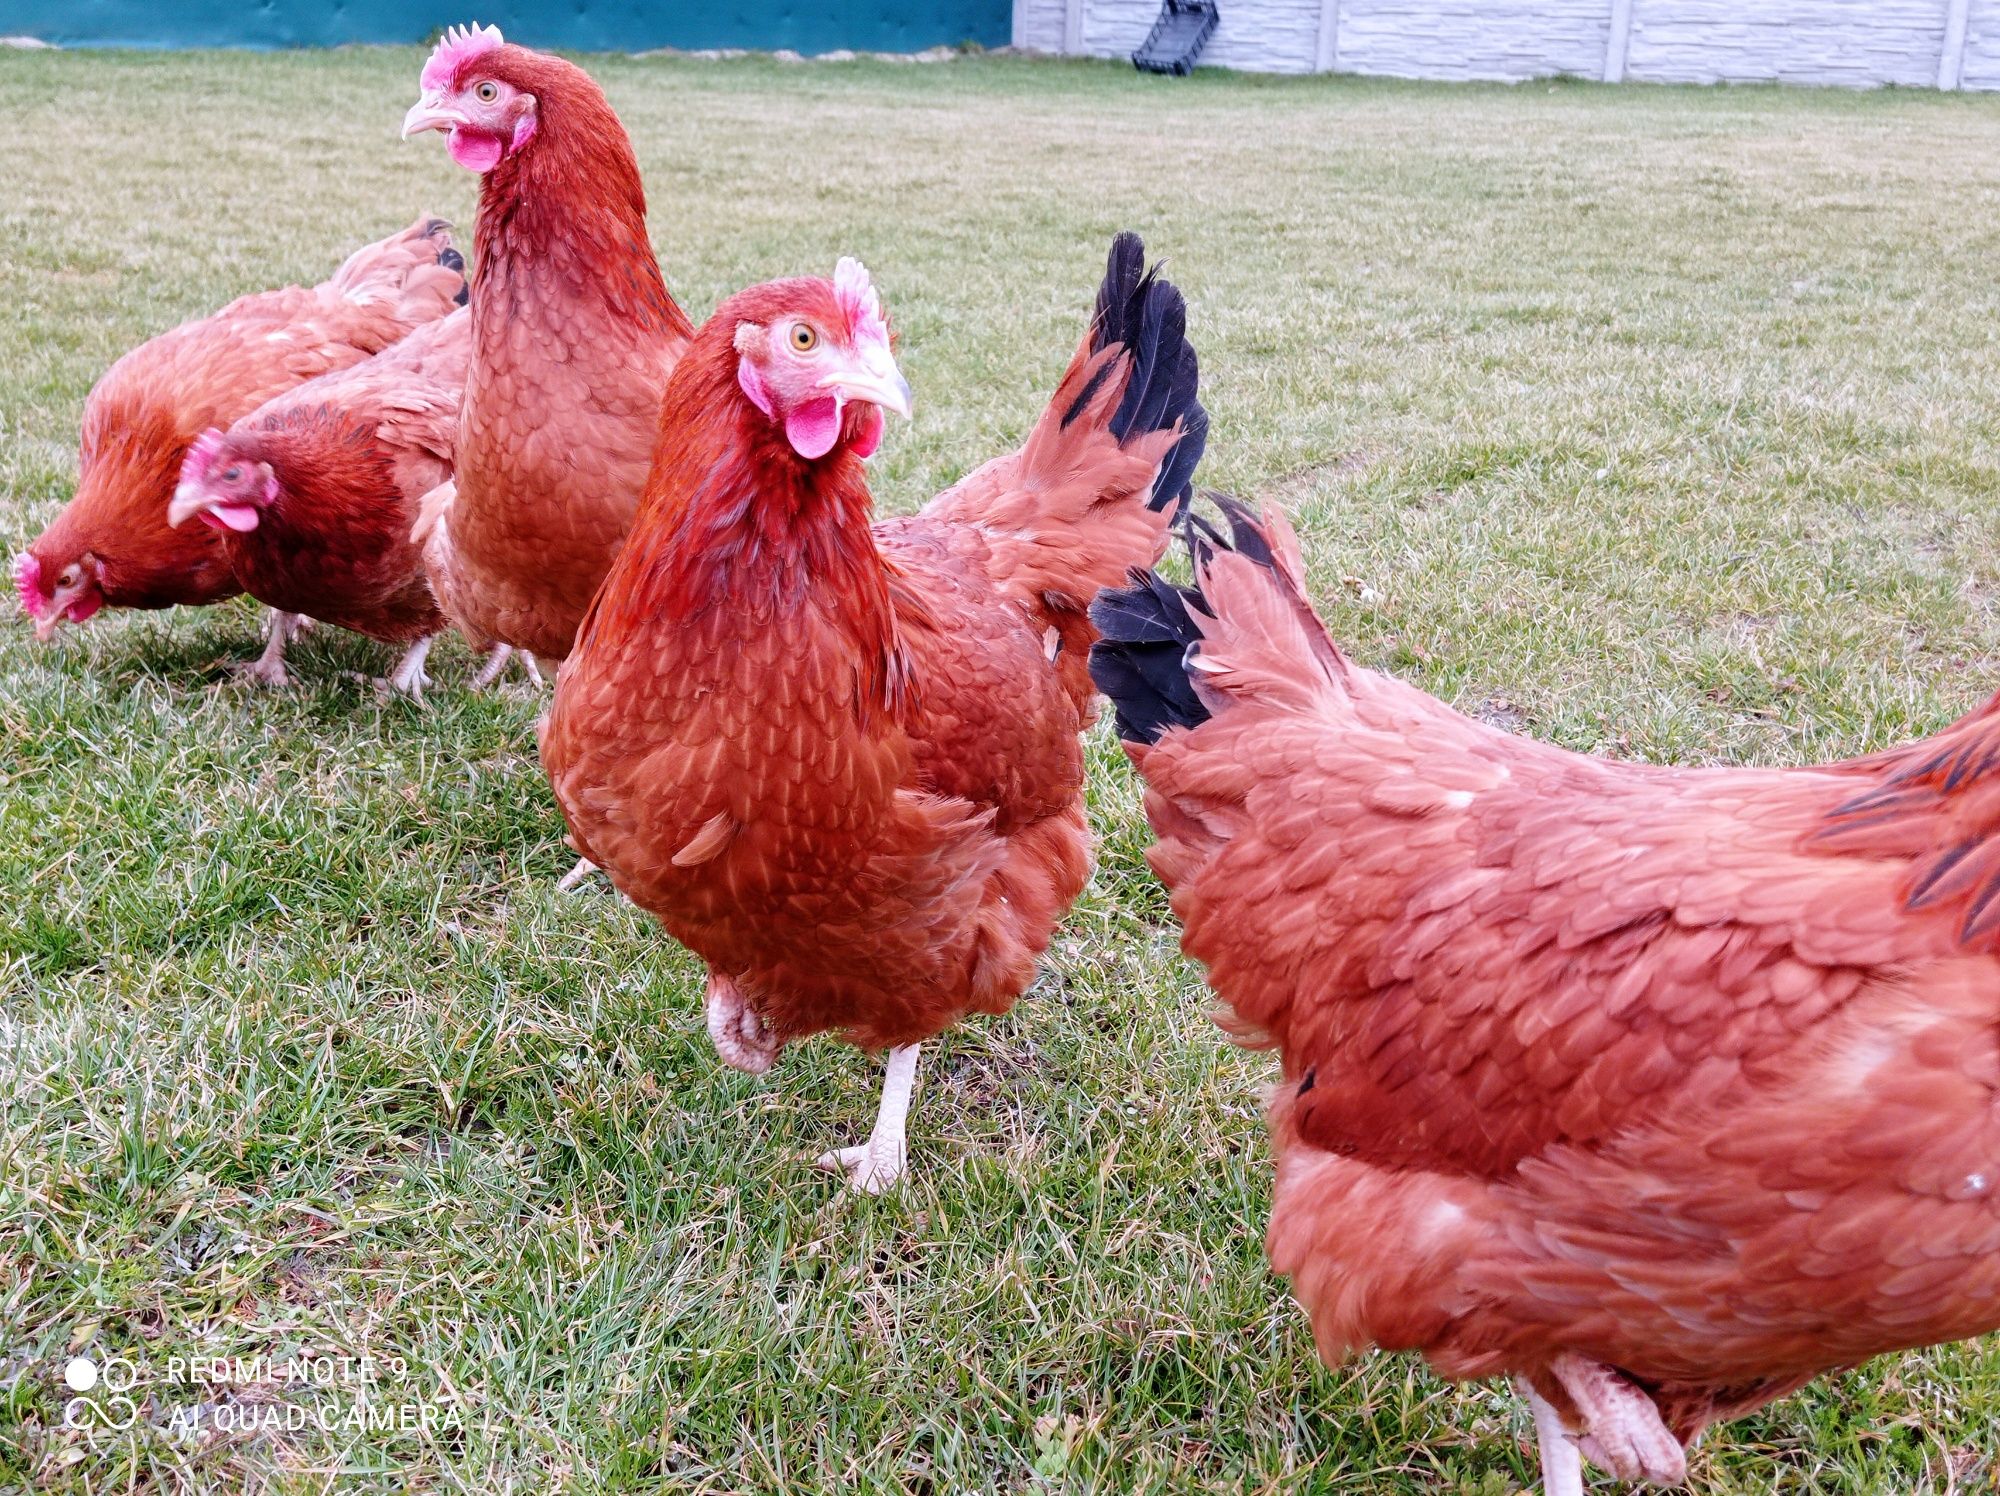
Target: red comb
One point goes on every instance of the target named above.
(854, 294)
(28, 584)
(458, 46)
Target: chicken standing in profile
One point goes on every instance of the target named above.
(1661, 1091)
(573, 336)
(313, 494)
(841, 761)
(112, 546)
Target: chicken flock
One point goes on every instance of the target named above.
(1659, 1092)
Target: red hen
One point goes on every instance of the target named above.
(112, 545)
(1661, 1091)
(840, 761)
(313, 494)
(573, 335)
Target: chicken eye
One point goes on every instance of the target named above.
(804, 339)
(68, 577)
(231, 474)
(487, 92)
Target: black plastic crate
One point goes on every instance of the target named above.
(1175, 42)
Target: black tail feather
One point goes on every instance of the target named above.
(1140, 658)
(1147, 633)
(1149, 316)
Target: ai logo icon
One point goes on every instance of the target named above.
(100, 1388)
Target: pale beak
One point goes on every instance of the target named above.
(878, 382)
(429, 114)
(187, 502)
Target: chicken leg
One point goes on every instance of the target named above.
(877, 1164)
(1562, 1461)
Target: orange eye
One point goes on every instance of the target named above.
(804, 339)
(487, 92)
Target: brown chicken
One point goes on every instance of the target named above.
(313, 494)
(1661, 1091)
(112, 545)
(841, 762)
(573, 336)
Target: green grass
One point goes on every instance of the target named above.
(1655, 422)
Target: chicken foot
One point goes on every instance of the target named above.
(583, 869)
(736, 1030)
(1621, 1427)
(496, 662)
(877, 1164)
(408, 676)
(268, 669)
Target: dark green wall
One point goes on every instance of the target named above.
(584, 25)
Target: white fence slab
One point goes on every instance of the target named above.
(1850, 43)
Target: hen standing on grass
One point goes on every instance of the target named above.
(573, 336)
(1661, 1091)
(313, 494)
(841, 762)
(112, 545)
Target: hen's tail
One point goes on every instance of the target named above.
(1172, 656)
(419, 271)
(1109, 465)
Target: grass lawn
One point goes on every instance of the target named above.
(1662, 423)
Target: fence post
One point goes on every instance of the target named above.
(1951, 56)
(1618, 41)
(1329, 36)
(1072, 27)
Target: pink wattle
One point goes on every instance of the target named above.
(814, 427)
(474, 151)
(869, 437)
(83, 607)
(239, 517)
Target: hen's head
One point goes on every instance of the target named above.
(54, 588)
(484, 94)
(814, 357)
(222, 484)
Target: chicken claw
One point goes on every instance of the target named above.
(738, 1034)
(876, 1165)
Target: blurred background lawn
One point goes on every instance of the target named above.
(1659, 423)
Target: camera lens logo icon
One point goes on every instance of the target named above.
(100, 1388)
